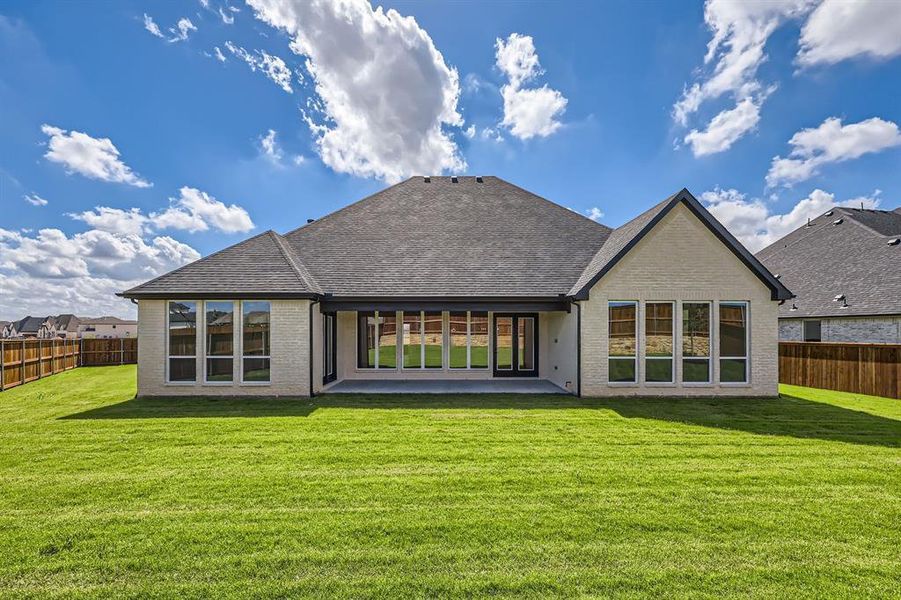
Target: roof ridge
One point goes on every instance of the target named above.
(551, 202)
(343, 208)
(193, 262)
(849, 212)
(300, 270)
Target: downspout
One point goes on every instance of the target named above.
(310, 361)
(578, 350)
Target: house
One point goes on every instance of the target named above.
(467, 279)
(106, 327)
(66, 326)
(845, 269)
(31, 327)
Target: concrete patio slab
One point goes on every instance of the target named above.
(444, 386)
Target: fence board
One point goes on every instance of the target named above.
(871, 369)
(24, 360)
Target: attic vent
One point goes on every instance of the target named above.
(479, 179)
(894, 242)
(454, 179)
(828, 214)
(426, 179)
(838, 221)
(310, 220)
(841, 298)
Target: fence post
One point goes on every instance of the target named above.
(41, 357)
(2, 366)
(121, 351)
(22, 364)
(81, 352)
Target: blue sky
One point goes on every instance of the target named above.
(138, 136)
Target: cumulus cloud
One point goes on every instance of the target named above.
(756, 226)
(384, 92)
(182, 30)
(740, 30)
(194, 210)
(594, 213)
(838, 30)
(272, 151)
(272, 66)
(96, 158)
(151, 26)
(35, 200)
(51, 272)
(528, 112)
(831, 142)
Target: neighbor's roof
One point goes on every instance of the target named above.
(852, 257)
(432, 237)
(30, 324)
(106, 321)
(66, 322)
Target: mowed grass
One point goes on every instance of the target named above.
(393, 496)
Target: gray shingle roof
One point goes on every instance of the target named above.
(440, 238)
(852, 258)
(261, 265)
(460, 237)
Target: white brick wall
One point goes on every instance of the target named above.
(864, 330)
(681, 260)
(290, 343)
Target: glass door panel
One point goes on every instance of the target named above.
(516, 345)
(503, 343)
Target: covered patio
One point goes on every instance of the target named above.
(444, 386)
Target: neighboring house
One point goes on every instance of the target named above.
(468, 278)
(31, 327)
(106, 327)
(66, 326)
(845, 269)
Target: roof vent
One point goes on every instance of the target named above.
(426, 179)
(838, 221)
(808, 223)
(828, 214)
(794, 307)
(310, 220)
(454, 179)
(841, 298)
(479, 179)
(894, 242)
(777, 275)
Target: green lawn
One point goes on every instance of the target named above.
(103, 495)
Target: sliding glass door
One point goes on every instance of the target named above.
(515, 345)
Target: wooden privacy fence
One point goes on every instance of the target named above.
(871, 369)
(24, 360)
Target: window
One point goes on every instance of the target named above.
(468, 340)
(813, 331)
(621, 342)
(255, 349)
(503, 341)
(696, 342)
(182, 341)
(376, 340)
(219, 341)
(658, 342)
(733, 342)
(423, 340)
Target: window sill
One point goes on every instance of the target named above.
(218, 383)
(622, 383)
(181, 383)
(738, 384)
(697, 383)
(255, 383)
(663, 384)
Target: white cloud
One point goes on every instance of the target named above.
(51, 272)
(528, 112)
(226, 18)
(842, 29)
(272, 66)
(114, 220)
(182, 30)
(384, 90)
(218, 54)
(755, 226)
(740, 30)
(151, 26)
(831, 142)
(205, 3)
(35, 200)
(96, 158)
(725, 128)
(272, 151)
(194, 210)
(594, 213)
(470, 132)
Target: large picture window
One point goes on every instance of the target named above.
(622, 344)
(468, 340)
(255, 341)
(376, 340)
(220, 335)
(658, 327)
(696, 342)
(182, 341)
(733, 342)
(423, 340)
